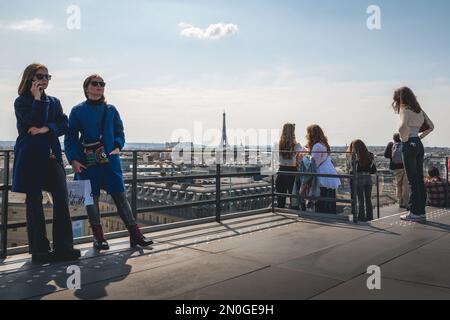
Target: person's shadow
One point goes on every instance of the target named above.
(37, 281)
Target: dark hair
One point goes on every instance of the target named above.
(362, 153)
(396, 137)
(27, 76)
(314, 134)
(288, 141)
(434, 172)
(405, 96)
(86, 84)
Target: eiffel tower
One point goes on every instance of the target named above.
(224, 146)
(224, 141)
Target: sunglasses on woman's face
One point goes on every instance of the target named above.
(41, 76)
(98, 83)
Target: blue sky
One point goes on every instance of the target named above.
(297, 61)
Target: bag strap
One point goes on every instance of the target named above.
(102, 124)
(326, 159)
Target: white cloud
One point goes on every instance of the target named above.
(76, 59)
(212, 32)
(33, 25)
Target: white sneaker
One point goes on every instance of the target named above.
(413, 217)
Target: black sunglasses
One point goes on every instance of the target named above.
(98, 83)
(41, 76)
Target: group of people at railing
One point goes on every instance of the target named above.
(93, 138)
(406, 156)
(435, 187)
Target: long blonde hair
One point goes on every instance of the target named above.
(288, 141)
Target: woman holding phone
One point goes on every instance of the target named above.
(93, 143)
(38, 165)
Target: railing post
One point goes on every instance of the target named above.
(5, 205)
(378, 196)
(134, 186)
(272, 165)
(354, 184)
(446, 181)
(218, 192)
(273, 193)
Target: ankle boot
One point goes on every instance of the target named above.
(100, 242)
(137, 238)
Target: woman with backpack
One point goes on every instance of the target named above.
(365, 166)
(393, 152)
(93, 143)
(414, 126)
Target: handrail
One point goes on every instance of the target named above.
(135, 180)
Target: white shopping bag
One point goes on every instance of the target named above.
(80, 193)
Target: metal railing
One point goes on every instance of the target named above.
(5, 188)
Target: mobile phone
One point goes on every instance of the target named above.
(40, 88)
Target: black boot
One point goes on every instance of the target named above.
(100, 242)
(137, 238)
(43, 257)
(68, 254)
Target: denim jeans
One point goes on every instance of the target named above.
(413, 154)
(123, 208)
(364, 197)
(55, 183)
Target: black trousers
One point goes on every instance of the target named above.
(55, 183)
(284, 184)
(326, 206)
(363, 197)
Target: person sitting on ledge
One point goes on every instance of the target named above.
(436, 188)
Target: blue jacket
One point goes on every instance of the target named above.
(84, 125)
(31, 153)
(308, 165)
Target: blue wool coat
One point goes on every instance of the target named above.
(31, 153)
(84, 125)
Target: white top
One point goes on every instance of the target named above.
(325, 166)
(290, 162)
(410, 123)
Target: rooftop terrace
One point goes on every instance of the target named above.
(255, 255)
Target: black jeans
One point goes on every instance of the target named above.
(413, 154)
(55, 183)
(284, 184)
(326, 206)
(364, 197)
(123, 208)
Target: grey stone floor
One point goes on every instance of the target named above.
(265, 256)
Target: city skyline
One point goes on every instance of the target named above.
(265, 63)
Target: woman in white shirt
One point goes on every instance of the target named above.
(414, 126)
(317, 144)
(289, 151)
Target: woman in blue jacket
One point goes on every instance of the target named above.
(92, 144)
(38, 165)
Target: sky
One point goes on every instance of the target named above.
(173, 67)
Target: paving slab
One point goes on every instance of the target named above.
(266, 284)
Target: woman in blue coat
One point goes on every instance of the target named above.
(92, 144)
(38, 165)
